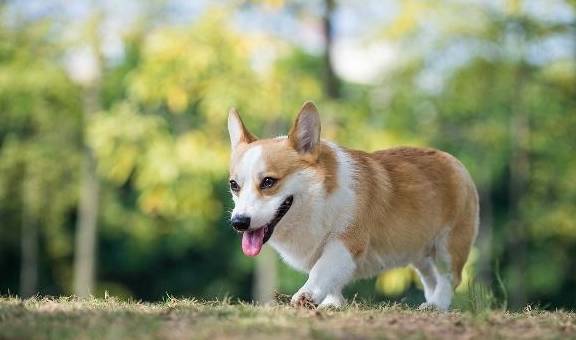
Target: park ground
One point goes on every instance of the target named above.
(71, 318)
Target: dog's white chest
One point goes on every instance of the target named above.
(295, 257)
(300, 246)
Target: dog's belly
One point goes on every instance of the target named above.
(376, 262)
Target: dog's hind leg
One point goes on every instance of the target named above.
(449, 257)
(441, 297)
(426, 270)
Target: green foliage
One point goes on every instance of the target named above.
(466, 81)
(39, 141)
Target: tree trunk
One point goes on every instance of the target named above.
(265, 276)
(519, 174)
(86, 227)
(331, 81)
(29, 251)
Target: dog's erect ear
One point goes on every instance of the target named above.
(238, 132)
(304, 135)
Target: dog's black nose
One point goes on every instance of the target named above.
(241, 222)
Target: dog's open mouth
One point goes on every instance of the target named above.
(253, 240)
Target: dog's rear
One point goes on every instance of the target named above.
(415, 206)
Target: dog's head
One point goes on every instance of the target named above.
(268, 175)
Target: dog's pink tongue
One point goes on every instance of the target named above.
(252, 241)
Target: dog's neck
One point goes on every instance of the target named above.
(325, 208)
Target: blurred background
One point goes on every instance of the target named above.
(114, 149)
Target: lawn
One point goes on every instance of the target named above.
(66, 318)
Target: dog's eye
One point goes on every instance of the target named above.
(234, 186)
(268, 182)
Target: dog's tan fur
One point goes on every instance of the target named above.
(407, 196)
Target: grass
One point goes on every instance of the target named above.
(71, 318)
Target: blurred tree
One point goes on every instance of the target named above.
(85, 250)
(38, 150)
(331, 81)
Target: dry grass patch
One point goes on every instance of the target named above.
(71, 318)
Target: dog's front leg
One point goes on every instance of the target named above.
(332, 271)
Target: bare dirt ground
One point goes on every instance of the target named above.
(68, 318)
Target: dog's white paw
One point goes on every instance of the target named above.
(302, 299)
(306, 298)
(333, 301)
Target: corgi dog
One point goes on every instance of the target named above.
(339, 214)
